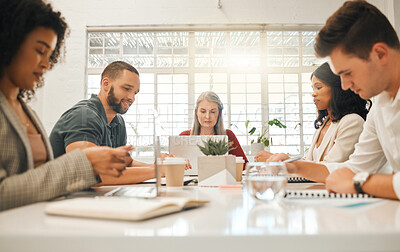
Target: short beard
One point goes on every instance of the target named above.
(113, 102)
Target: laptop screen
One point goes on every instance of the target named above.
(148, 190)
(186, 146)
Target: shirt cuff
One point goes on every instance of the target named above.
(396, 184)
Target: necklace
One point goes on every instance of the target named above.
(327, 122)
(24, 119)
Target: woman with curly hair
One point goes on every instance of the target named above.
(31, 36)
(340, 120)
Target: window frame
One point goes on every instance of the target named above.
(191, 70)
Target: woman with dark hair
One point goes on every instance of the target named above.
(340, 120)
(30, 40)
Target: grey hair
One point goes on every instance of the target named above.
(219, 128)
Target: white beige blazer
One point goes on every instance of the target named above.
(339, 140)
(20, 182)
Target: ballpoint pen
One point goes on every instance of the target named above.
(292, 159)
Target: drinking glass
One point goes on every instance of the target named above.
(266, 181)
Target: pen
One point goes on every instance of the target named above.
(293, 159)
(112, 192)
(230, 186)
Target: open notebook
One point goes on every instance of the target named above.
(120, 208)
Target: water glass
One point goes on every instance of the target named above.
(266, 181)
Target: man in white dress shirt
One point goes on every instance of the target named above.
(364, 50)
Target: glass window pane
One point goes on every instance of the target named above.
(93, 42)
(254, 93)
(180, 98)
(164, 88)
(275, 88)
(145, 98)
(276, 98)
(165, 98)
(238, 98)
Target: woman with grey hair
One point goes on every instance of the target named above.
(208, 121)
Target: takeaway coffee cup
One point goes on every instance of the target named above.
(174, 170)
(239, 168)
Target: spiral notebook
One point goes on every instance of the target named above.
(322, 194)
(293, 178)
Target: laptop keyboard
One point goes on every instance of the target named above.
(137, 191)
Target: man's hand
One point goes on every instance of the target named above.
(262, 156)
(340, 181)
(108, 161)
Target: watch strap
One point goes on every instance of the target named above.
(358, 187)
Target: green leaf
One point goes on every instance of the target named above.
(247, 123)
(216, 147)
(251, 132)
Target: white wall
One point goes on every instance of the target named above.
(65, 83)
(396, 5)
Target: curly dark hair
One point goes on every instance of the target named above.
(17, 19)
(343, 102)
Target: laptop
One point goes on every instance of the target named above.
(148, 190)
(186, 146)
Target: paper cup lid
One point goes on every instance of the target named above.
(172, 160)
(239, 160)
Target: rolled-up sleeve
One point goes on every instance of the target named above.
(368, 155)
(396, 184)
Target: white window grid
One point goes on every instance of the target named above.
(258, 74)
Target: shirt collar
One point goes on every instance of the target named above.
(96, 101)
(384, 99)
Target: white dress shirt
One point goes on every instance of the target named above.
(380, 140)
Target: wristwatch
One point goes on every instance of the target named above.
(359, 180)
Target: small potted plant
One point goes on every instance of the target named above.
(263, 139)
(216, 167)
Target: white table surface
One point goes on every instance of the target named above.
(230, 222)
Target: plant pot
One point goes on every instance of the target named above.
(216, 170)
(256, 148)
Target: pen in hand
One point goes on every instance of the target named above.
(293, 159)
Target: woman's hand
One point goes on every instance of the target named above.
(280, 157)
(262, 156)
(108, 161)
